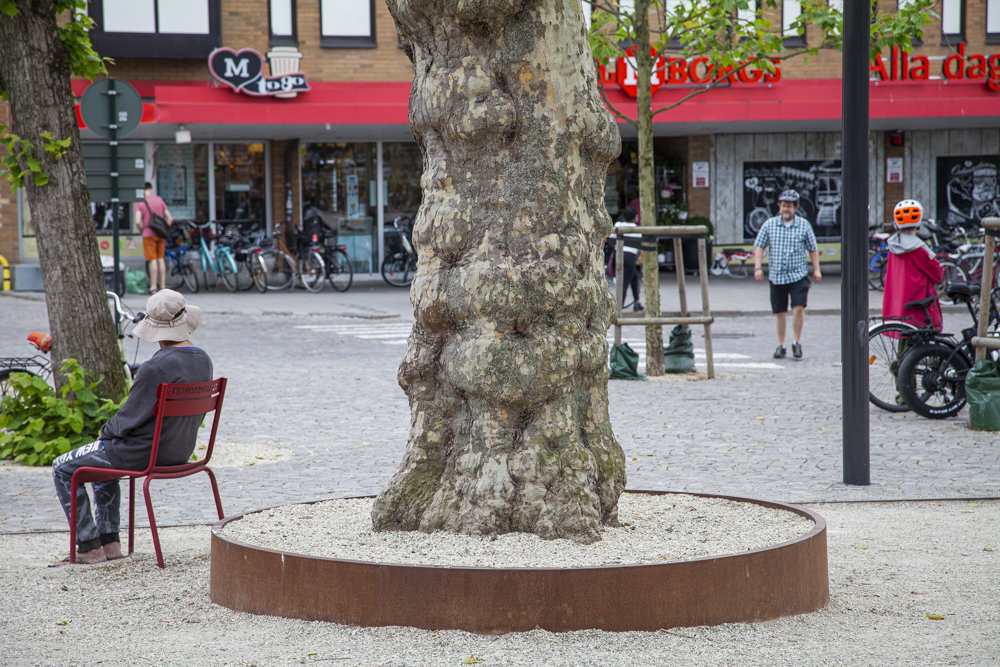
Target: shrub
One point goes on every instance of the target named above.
(36, 425)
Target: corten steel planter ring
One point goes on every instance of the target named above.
(780, 580)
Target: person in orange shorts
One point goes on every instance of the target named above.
(153, 246)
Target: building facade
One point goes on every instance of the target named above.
(251, 146)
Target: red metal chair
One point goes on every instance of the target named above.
(172, 400)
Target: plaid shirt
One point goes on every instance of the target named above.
(789, 248)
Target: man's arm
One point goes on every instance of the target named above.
(758, 256)
(814, 256)
(166, 216)
(138, 406)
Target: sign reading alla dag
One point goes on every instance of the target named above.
(243, 70)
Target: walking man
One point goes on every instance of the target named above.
(790, 239)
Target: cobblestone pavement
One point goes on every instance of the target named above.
(328, 392)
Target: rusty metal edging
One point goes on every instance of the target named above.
(779, 580)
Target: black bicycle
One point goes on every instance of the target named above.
(399, 267)
(337, 263)
(933, 365)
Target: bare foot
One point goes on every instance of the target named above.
(91, 557)
(113, 550)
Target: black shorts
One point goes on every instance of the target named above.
(798, 291)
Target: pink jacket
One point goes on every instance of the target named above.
(911, 274)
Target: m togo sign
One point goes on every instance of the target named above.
(243, 70)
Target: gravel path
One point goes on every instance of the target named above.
(655, 529)
(890, 566)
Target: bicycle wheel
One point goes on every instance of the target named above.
(207, 268)
(228, 270)
(886, 346)
(175, 274)
(313, 272)
(190, 277)
(258, 271)
(339, 271)
(5, 387)
(953, 273)
(280, 269)
(876, 270)
(932, 380)
(395, 270)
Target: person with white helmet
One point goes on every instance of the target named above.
(791, 240)
(911, 271)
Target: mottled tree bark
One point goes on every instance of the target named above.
(506, 369)
(35, 71)
(647, 192)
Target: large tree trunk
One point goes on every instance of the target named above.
(506, 369)
(647, 192)
(35, 71)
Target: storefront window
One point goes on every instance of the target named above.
(240, 187)
(339, 186)
(402, 164)
(182, 180)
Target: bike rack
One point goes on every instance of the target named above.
(991, 227)
(677, 234)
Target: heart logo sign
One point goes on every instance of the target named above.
(236, 69)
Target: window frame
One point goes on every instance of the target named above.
(349, 41)
(172, 46)
(991, 37)
(283, 40)
(956, 38)
(791, 40)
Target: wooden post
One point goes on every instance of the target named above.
(703, 276)
(990, 226)
(619, 279)
(679, 267)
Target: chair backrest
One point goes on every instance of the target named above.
(185, 400)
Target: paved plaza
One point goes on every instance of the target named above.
(322, 388)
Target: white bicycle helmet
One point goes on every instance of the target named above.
(789, 195)
(907, 214)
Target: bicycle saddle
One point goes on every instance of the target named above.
(923, 303)
(962, 290)
(880, 236)
(40, 340)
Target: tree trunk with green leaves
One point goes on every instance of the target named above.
(647, 193)
(506, 369)
(35, 69)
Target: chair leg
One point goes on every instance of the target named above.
(72, 521)
(131, 514)
(152, 523)
(215, 490)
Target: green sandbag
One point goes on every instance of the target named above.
(678, 355)
(625, 363)
(982, 390)
(136, 282)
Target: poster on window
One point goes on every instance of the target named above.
(102, 213)
(967, 188)
(818, 183)
(171, 184)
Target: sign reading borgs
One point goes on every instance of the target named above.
(244, 70)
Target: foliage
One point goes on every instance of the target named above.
(700, 220)
(36, 425)
(734, 38)
(19, 150)
(21, 159)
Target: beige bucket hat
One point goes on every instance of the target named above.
(168, 318)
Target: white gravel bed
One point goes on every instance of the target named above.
(655, 529)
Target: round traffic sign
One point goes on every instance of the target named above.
(95, 107)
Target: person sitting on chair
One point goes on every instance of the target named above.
(126, 440)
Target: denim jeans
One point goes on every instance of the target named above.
(90, 534)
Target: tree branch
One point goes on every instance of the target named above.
(612, 108)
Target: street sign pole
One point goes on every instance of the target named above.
(113, 144)
(854, 251)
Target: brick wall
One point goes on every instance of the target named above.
(893, 191)
(8, 209)
(279, 151)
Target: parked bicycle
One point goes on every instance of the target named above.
(286, 269)
(339, 269)
(399, 267)
(217, 259)
(40, 365)
(180, 266)
(252, 270)
(921, 368)
(726, 260)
